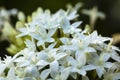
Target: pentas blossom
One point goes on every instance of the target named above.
(57, 49)
(28, 30)
(78, 65)
(70, 28)
(101, 64)
(44, 36)
(44, 19)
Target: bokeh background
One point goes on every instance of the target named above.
(105, 27)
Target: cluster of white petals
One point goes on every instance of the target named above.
(57, 49)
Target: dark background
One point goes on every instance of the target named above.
(107, 27)
(110, 7)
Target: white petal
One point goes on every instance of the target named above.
(116, 57)
(66, 23)
(65, 73)
(51, 32)
(22, 34)
(11, 74)
(72, 61)
(44, 74)
(60, 55)
(90, 49)
(100, 72)
(30, 44)
(50, 40)
(107, 56)
(89, 67)
(108, 65)
(80, 57)
(25, 63)
(32, 71)
(64, 40)
(40, 42)
(76, 24)
(42, 56)
(72, 15)
(54, 66)
(51, 46)
(82, 72)
(36, 36)
(42, 64)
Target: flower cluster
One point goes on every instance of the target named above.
(57, 49)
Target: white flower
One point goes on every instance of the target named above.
(101, 63)
(27, 30)
(79, 64)
(70, 28)
(46, 20)
(44, 36)
(48, 56)
(30, 45)
(97, 39)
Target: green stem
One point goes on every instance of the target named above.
(78, 76)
